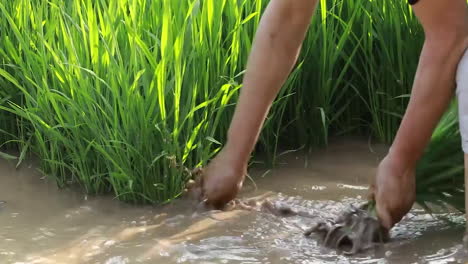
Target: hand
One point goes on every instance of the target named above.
(220, 182)
(394, 191)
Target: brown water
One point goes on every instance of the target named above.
(40, 224)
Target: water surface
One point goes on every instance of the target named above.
(41, 224)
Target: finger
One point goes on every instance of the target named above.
(194, 193)
(372, 188)
(202, 205)
(190, 184)
(384, 216)
(197, 172)
(371, 192)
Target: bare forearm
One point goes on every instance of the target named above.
(446, 33)
(432, 91)
(274, 53)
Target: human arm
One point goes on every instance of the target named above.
(445, 26)
(276, 46)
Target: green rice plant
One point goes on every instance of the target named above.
(440, 172)
(123, 96)
(440, 178)
(439, 181)
(323, 93)
(391, 42)
(8, 128)
(354, 74)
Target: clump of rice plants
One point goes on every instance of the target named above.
(123, 96)
(8, 128)
(391, 43)
(439, 182)
(440, 172)
(353, 76)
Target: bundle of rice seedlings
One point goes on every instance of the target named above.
(440, 172)
(439, 181)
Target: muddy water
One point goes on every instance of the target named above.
(40, 224)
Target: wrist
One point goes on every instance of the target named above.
(404, 156)
(235, 155)
(238, 148)
(402, 163)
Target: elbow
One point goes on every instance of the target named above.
(447, 44)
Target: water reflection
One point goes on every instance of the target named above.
(40, 224)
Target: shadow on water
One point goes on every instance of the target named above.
(40, 224)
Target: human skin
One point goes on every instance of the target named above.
(274, 52)
(446, 38)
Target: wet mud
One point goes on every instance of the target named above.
(42, 224)
(354, 230)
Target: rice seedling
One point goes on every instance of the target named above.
(323, 92)
(440, 172)
(440, 183)
(354, 73)
(391, 41)
(122, 96)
